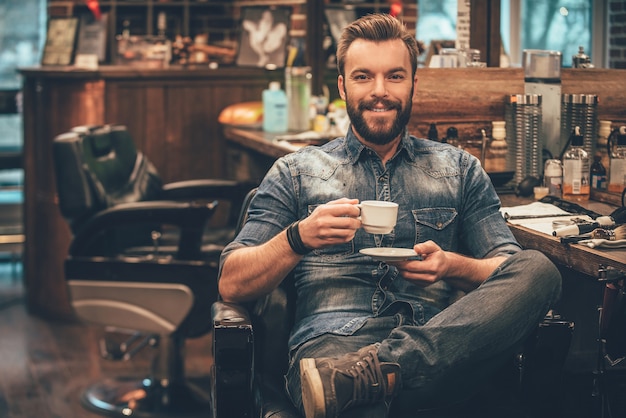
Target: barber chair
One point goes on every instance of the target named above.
(140, 263)
(611, 334)
(250, 359)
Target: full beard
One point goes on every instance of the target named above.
(377, 133)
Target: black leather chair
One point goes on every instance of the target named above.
(143, 262)
(250, 360)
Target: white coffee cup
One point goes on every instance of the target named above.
(378, 216)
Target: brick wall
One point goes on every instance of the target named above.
(617, 34)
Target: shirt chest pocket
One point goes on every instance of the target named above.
(435, 224)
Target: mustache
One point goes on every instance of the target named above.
(389, 104)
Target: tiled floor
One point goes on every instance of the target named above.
(45, 365)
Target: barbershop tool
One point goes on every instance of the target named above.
(614, 234)
(578, 228)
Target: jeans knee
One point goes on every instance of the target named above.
(541, 272)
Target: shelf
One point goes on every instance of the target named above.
(219, 21)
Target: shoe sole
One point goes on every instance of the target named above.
(312, 389)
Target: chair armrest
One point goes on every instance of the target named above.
(231, 190)
(204, 188)
(233, 347)
(228, 315)
(189, 217)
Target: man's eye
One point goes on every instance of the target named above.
(397, 77)
(360, 77)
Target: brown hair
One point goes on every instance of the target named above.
(376, 27)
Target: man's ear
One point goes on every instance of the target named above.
(414, 87)
(341, 88)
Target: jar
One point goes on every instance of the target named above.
(553, 177)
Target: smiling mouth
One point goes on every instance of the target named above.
(380, 110)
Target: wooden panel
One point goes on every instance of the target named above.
(467, 98)
(51, 108)
(174, 122)
(609, 85)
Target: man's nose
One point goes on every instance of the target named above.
(380, 87)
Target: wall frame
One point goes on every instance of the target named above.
(263, 37)
(92, 36)
(338, 18)
(60, 41)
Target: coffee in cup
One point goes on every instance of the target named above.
(378, 216)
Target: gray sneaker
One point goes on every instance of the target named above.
(330, 386)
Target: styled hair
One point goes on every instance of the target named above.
(376, 27)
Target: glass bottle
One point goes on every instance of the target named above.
(433, 135)
(452, 137)
(604, 131)
(576, 169)
(617, 168)
(553, 177)
(275, 117)
(497, 150)
(598, 173)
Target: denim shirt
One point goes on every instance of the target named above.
(443, 194)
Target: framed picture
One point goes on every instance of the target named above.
(60, 41)
(338, 18)
(263, 38)
(92, 36)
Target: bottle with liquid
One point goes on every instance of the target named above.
(433, 135)
(275, 118)
(576, 169)
(598, 173)
(604, 131)
(452, 137)
(617, 153)
(497, 150)
(553, 177)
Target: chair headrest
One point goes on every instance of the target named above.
(99, 166)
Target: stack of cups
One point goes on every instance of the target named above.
(523, 132)
(580, 110)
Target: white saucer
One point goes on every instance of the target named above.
(389, 254)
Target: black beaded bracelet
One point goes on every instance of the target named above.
(295, 242)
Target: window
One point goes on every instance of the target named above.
(22, 25)
(561, 25)
(556, 25)
(21, 32)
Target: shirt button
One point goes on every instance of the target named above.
(439, 224)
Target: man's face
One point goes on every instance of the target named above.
(378, 89)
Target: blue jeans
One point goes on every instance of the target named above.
(446, 359)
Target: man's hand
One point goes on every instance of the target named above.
(332, 223)
(432, 267)
(436, 264)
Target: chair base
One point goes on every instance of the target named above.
(145, 399)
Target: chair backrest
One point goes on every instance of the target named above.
(98, 167)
